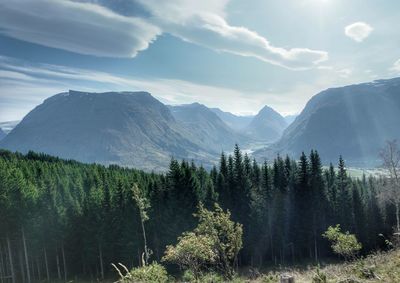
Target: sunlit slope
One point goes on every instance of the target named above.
(353, 121)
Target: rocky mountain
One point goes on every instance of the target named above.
(352, 121)
(126, 128)
(238, 123)
(266, 126)
(206, 128)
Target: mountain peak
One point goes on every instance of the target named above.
(267, 125)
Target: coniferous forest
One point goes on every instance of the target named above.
(63, 219)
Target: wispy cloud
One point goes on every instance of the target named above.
(76, 26)
(358, 31)
(23, 86)
(199, 24)
(89, 28)
(344, 73)
(396, 67)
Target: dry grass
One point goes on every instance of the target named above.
(379, 267)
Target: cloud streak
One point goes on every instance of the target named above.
(23, 86)
(204, 26)
(89, 28)
(74, 26)
(358, 31)
(396, 67)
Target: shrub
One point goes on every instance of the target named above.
(214, 243)
(146, 274)
(343, 244)
(192, 252)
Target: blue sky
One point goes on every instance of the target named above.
(237, 55)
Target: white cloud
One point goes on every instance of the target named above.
(358, 31)
(396, 66)
(344, 73)
(195, 22)
(74, 26)
(89, 28)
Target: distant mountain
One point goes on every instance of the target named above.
(290, 119)
(206, 128)
(126, 128)
(353, 121)
(266, 126)
(236, 122)
(2, 134)
(8, 126)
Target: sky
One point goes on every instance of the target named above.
(238, 55)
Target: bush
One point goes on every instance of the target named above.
(146, 274)
(214, 243)
(343, 244)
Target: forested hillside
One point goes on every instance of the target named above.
(64, 219)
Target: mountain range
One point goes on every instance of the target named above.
(126, 128)
(238, 123)
(135, 129)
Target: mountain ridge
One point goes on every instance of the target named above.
(345, 121)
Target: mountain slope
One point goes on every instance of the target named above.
(127, 128)
(267, 125)
(353, 121)
(290, 118)
(235, 122)
(205, 127)
(2, 134)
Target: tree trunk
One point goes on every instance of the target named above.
(21, 264)
(397, 217)
(38, 270)
(146, 251)
(2, 268)
(47, 265)
(58, 266)
(315, 247)
(101, 262)
(64, 263)
(28, 275)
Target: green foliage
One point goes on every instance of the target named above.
(91, 212)
(215, 242)
(152, 273)
(141, 202)
(194, 252)
(211, 277)
(344, 244)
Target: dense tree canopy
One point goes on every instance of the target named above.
(62, 219)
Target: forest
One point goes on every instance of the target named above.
(61, 219)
